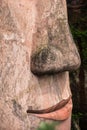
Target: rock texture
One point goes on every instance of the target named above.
(34, 39)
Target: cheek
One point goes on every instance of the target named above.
(24, 15)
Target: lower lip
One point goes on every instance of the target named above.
(60, 114)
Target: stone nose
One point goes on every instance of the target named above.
(53, 48)
(57, 53)
(51, 60)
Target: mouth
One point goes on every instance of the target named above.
(60, 111)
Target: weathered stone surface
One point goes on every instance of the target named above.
(26, 29)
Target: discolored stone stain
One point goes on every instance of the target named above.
(6, 20)
(17, 109)
(42, 57)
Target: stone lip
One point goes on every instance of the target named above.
(60, 111)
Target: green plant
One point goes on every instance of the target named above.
(47, 126)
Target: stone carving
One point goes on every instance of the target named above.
(36, 53)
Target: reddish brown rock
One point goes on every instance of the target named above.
(36, 53)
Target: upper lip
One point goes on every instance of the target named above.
(51, 109)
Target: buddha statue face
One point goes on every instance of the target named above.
(36, 53)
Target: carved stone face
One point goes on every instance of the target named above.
(36, 53)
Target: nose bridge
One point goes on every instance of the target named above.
(49, 15)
